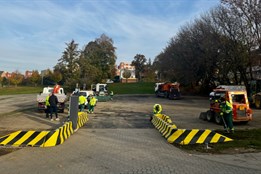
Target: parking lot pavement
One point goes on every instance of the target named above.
(119, 138)
(112, 150)
(249, 160)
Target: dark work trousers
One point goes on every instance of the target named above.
(229, 120)
(53, 109)
(47, 111)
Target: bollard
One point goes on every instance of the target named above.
(73, 111)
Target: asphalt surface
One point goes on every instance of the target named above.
(119, 138)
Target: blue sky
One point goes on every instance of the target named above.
(33, 33)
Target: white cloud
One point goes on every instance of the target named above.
(33, 35)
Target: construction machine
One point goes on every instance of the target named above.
(237, 96)
(168, 90)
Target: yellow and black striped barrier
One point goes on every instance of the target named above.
(164, 118)
(43, 138)
(184, 136)
(82, 119)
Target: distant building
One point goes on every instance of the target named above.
(5, 74)
(120, 70)
(28, 74)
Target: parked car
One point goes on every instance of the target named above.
(109, 81)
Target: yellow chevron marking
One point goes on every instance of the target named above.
(163, 128)
(189, 136)
(70, 127)
(215, 138)
(203, 136)
(228, 139)
(161, 122)
(175, 135)
(163, 117)
(24, 138)
(155, 121)
(174, 126)
(161, 125)
(41, 140)
(66, 132)
(10, 137)
(52, 140)
(82, 118)
(168, 134)
(168, 129)
(65, 127)
(38, 138)
(60, 134)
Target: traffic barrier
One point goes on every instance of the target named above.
(82, 119)
(163, 123)
(43, 138)
(164, 118)
(184, 136)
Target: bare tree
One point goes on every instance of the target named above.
(248, 15)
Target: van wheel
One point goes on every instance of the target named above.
(210, 115)
(218, 118)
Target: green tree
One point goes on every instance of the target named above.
(56, 76)
(139, 63)
(35, 78)
(88, 73)
(126, 74)
(149, 72)
(101, 54)
(5, 82)
(68, 64)
(16, 78)
(1, 81)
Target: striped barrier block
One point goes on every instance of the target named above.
(164, 118)
(24, 138)
(82, 119)
(43, 138)
(184, 136)
(59, 135)
(163, 126)
(196, 136)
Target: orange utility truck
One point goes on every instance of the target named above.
(168, 90)
(237, 96)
